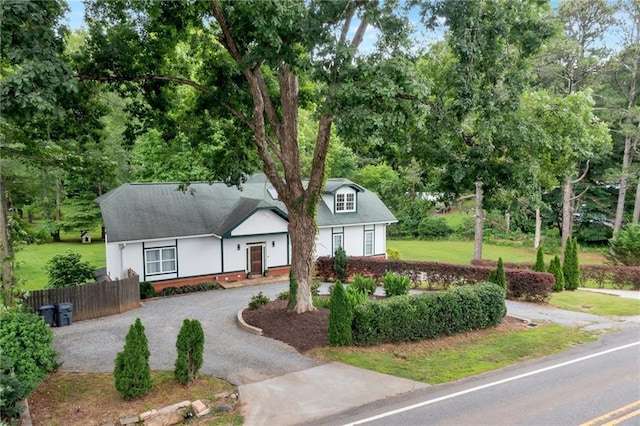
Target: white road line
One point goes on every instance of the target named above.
(489, 385)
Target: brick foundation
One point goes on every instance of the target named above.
(216, 278)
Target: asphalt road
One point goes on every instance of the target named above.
(571, 388)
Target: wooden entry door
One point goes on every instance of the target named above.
(255, 260)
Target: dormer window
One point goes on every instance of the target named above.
(346, 202)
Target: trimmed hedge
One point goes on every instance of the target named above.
(525, 284)
(171, 291)
(428, 315)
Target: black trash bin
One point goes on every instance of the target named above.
(64, 314)
(47, 312)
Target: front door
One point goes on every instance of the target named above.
(255, 260)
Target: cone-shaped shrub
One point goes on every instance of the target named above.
(340, 317)
(571, 267)
(340, 264)
(132, 373)
(556, 269)
(539, 265)
(498, 276)
(190, 347)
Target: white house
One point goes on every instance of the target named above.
(214, 232)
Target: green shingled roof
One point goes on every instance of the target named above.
(146, 211)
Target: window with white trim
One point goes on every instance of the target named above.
(337, 241)
(346, 202)
(161, 260)
(368, 243)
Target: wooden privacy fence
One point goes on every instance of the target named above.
(91, 300)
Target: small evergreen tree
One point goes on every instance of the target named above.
(556, 269)
(132, 373)
(340, 264)
(190, 346)
(293, 290)
(539, 265)
(570, 266)
(498, 276)
(340, 317)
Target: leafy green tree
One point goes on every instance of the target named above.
(570, 266)
(555, 268)
(486, 67)
(247, 64)
(340, 317)
(624, 248)
(539, 265)
(190, 347)
(67, 270)
(35, 77)
(132, 373)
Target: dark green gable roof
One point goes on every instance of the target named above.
(147, 211)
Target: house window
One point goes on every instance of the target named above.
(368, 243)
(337, 242)
(160, 260)
(346, 202)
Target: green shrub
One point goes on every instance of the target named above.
(315, 287)
(131, 372)
(28, 342)
(393, 253)
(283, 295)
(258, 301)
(499, 278)
(395, 285)
(293, 290)
(340, 264)
(434, 227)
(321, 301)
(190, 348)
(171, 291)
(365, 285)
(355, 296)
(13, 389)
(555, 268)
(428, 315)
(570, 266)
(147, 290)
(339, 317)
(67, 269)
(539, 265)
(624, 247)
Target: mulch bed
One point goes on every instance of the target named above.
(302, 331)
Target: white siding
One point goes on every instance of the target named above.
(324, 242)
(122, 256)
(275, 254)
(199, 256)
(261, 222)
(380, 240)
(277, 250)
(354, 240)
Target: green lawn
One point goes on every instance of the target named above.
(461, 252)
(31, 260)
(448, 359)
(595, 303)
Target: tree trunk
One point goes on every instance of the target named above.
(536, 238)
(56, 233)
(477, 248)
(624, 179)
(302, 230)
(507, 220)
(636, 206)
(6, 250)
(567, 214)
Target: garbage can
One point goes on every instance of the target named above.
(47, 312)
(64, 314)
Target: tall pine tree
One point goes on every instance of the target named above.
(570, 266)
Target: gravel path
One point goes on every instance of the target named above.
(230, 352)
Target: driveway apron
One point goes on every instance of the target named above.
(230, 352)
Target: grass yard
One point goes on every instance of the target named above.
(461, 252)
(455, 357)
(595, 303)
(31, 260)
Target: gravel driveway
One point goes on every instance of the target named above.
(230, 352)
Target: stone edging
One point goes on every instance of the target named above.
(244, 325)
